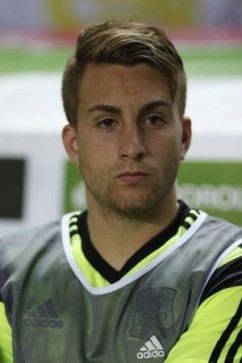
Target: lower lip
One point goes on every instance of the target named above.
(133, 179)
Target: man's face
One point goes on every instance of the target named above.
(129, 138)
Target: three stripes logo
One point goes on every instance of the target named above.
(151, 349)
(44, 316)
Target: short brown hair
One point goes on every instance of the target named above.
(127, 43)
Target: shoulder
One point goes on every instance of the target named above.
(20, 251)
(37, 232)
(219, 235)
(29, 242)
(221, 225)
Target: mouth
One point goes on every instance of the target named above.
(129, 177)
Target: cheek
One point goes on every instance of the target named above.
(92, 157)
(167, 143)
(171, 150)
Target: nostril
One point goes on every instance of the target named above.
(132, 155)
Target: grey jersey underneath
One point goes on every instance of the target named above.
(56, 319)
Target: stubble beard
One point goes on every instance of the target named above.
(134, 201)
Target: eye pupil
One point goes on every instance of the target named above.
(154, 119)
(108, 122)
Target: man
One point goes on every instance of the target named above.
(139, 276)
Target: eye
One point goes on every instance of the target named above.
(106, 123)
(153, 120)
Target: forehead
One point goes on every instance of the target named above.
(116, 83)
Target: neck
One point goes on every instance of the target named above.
(117, 237)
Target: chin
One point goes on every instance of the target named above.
(135, 207)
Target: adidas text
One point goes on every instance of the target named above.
(43, 323)
(151, 349)
(151, 354)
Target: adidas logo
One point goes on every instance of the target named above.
(44, 316)
(151, 349)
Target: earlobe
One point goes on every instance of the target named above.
(186, 136)
(69, 139)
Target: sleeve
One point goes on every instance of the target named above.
(6, 355)
(215, 333)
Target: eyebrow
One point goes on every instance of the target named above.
(152, 105)
(105, 108)
(117, 111)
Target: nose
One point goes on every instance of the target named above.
(131, 143)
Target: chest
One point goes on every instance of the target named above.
(56, 319)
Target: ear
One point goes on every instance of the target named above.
(186, 136)
(69, 138)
